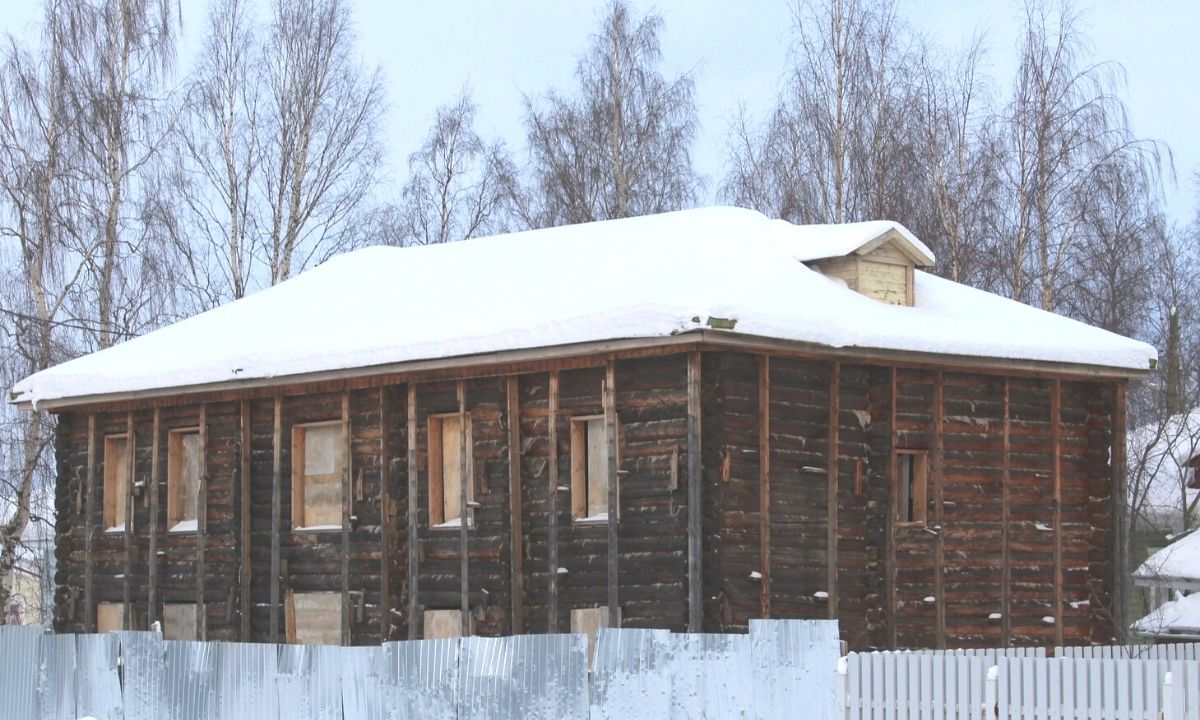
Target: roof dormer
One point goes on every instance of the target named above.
(877, 259)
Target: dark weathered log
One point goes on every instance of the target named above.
(202, 528)
(516, 559)
(833, 461)
(245, 570)
(764, 483)
(552, 504)
(347, 513)
(276, 514)
(614, 495)
(414, 548)
(152, 611)
(465, 482)
(695, 498)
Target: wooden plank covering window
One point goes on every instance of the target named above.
(109, 617)
(179, 621)
(116, 481)
(314, 618)
(589, 621)
(183, 479)
(589, 469)
(445, 624)
(912, 478)
(317, 460)
(445, 471)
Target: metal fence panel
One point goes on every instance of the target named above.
(98, 687)
(631, 674)
(19, 647)
(189, 679)
(362, 684)
(141, 677)
(309, 683)
(246, 681)
(791, 654)
(426, 679)
(530, 676)
(56, 678)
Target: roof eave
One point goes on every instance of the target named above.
(703, 338)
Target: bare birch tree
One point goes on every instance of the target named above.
(119, 56)
(459, 185)
(319, 134)
(37, 218)
(217, 151)
(622, 146)
(1063, 124)
(841, 143)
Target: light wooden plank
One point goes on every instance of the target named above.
(515, 508)
(695, 498)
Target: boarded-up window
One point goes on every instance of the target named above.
(317, 476)
(445, 471)
(443, 624)
(913, 481)
(116, 481)
(589, 621)
(589, 469)
(179, 621)
(109, 617)
(183, 479)
(314, 618)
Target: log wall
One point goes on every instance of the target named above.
(796, 460)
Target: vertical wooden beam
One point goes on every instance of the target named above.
(1056, 439)
(155, 480)
(130, 475)
(386, 510)
(552, 520)
(516, 557)
(202, 527)
(614, 493)
(276, 512)
(89, 530)
(1120, 551)
(939, 541)
(244, 474)
(1005, 529)
(889, 590)
(464, 511)
(411, 516)
(764, 484)
(831, 491)
(695, 499)
(347, 512)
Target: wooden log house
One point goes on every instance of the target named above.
(682, 421)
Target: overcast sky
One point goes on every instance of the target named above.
(429, 49)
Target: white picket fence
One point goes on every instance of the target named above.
(1021, 683)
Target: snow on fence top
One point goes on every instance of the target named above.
(646, 277)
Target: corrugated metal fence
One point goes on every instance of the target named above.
(1159, 682)
(636, 674)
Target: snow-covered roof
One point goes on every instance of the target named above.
(639, 278)
(819, 242)
(1176, 565)
(1178, 617)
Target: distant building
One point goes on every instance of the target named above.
(1173, 575)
